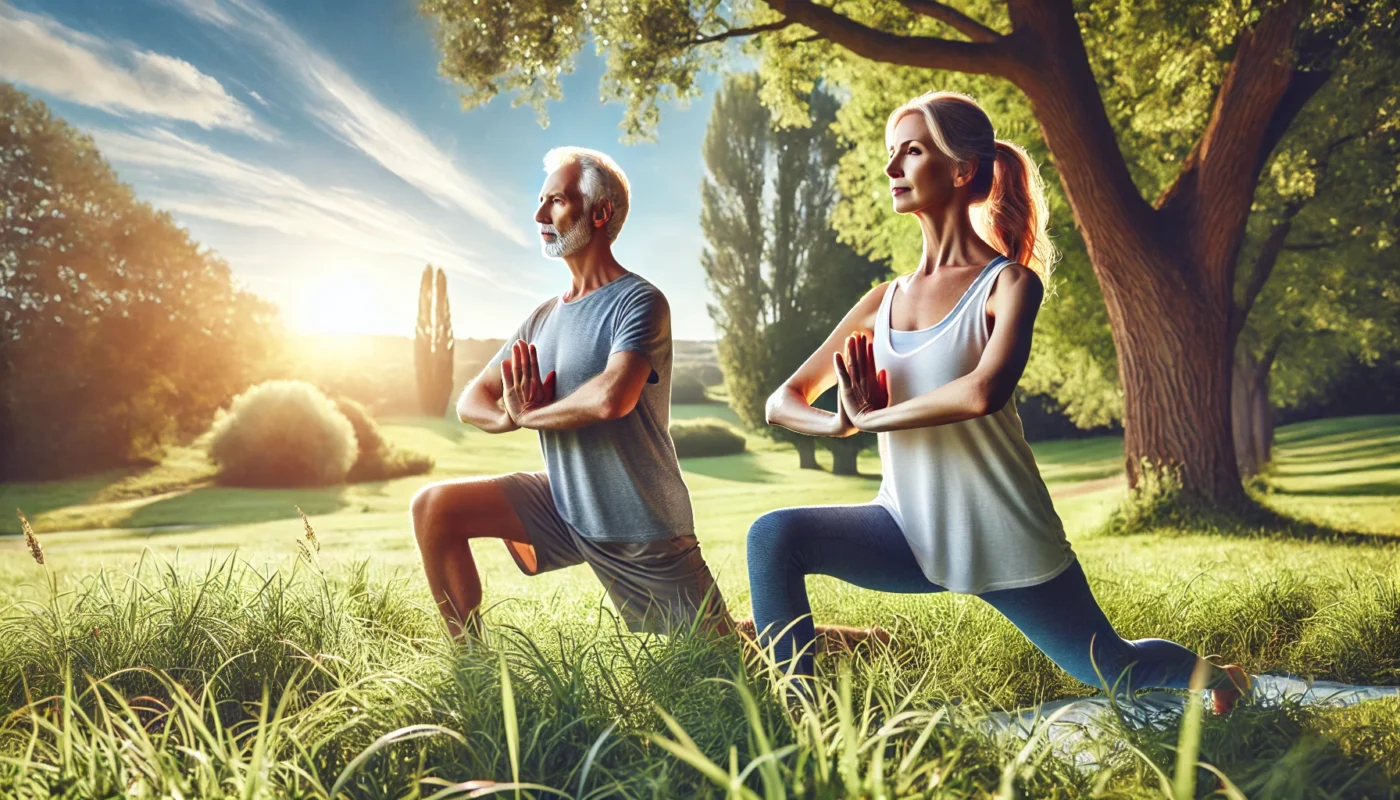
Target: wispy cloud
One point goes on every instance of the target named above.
(350, 113)
(198, 181)
(42, 53)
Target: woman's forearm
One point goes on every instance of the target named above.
(788, 409)
(960, 400)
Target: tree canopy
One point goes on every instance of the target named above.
(120, 333)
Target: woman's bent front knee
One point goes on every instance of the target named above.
(772, 535)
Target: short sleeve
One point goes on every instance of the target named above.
(644, 326)
(525, 331)
(504, 352)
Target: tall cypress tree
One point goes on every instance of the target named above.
(444, 345)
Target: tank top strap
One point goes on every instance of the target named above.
(988, 279)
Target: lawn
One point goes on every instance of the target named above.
(351, 643)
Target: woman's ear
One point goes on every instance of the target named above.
(964, 172)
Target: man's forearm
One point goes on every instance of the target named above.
(491, 418)
(588, 405)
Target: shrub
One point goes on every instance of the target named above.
(282, 433)
(698, 438)
(687, 388)
(377, 460)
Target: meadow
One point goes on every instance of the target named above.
(188, 640)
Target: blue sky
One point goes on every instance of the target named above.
(313, 145)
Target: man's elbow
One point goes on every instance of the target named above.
(613, 407)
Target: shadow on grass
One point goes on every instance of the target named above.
(39, 497)
(1252, 520)
(742, 467)
(219, 505)
(1359, 451)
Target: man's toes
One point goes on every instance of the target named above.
(746, 629)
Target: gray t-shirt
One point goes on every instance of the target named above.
(619, 480)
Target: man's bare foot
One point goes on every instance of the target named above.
(744, 628)
(1223, 700)
(830, 638)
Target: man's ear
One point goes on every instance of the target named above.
(602, 212)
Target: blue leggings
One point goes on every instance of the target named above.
(862, 544)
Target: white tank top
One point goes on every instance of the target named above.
(967, 495)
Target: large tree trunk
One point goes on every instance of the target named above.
(1252, 414)
(806, 452)
(844, 453)
(1167, 273)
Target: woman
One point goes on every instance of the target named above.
(931, 367)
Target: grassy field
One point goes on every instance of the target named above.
(351, 647)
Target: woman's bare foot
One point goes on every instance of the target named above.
(1224, 699)
(830, 638)
(844, 638)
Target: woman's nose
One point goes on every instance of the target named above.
(892, 170)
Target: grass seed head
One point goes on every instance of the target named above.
(310, 533)
(30, 539)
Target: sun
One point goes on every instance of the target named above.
(338, 303)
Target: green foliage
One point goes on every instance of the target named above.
(119, 335)
(704, 437)
(376, 459)
(780, 278)
(434, 345)
(1328, 200)
(686, 387)
(282, 433)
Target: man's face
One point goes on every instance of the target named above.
(563, 220)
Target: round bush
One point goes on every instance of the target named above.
(699, 438)
(282, 433)
(377, 460)
(687, 388)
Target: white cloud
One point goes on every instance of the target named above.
(353, 115)
(196, 180)
(41, 53)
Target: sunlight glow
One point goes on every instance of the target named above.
(339, 303)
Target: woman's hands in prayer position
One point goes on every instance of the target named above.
(863, 390)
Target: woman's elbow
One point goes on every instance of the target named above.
(772, 408)
(982, 400)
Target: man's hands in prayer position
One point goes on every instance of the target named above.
(862, 389)
(522, 389)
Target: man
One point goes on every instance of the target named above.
(591, 371)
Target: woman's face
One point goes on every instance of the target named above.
(921, 176)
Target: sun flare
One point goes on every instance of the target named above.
(339, 303)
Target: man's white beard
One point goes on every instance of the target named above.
(568, 242)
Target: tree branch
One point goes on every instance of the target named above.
(953, 18)
(1301, 88)
(736, 32)
(1263, 266)
(1258, 99)
(929, 52)
(1308, 247)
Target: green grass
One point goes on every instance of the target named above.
(352, 647)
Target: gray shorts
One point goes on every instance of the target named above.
(658, 586)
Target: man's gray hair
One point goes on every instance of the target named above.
(600, 178)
